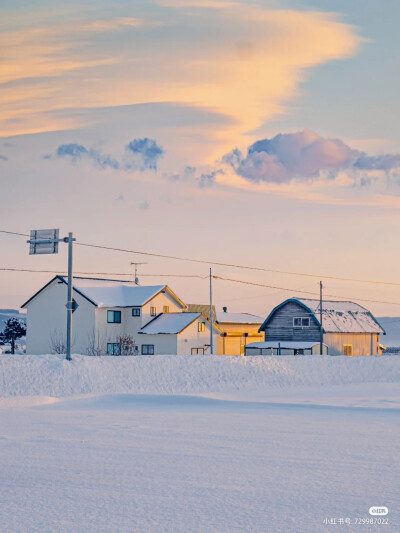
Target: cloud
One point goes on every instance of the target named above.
(292, 155)
(380, 162)
(71, 150)
(75, 152)
(248, 69)
(116, 24)
(309, 166)
(207, 179)
(140, 154)
(146, 153)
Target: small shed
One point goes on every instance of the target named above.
(347, 327)
(285, 348)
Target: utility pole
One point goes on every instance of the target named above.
(46, 241)
(211, 317)
(136, 265)
(70, 303)
(321, 331)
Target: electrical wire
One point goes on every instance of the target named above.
(230, 265)
(302, 291)
(103, 273)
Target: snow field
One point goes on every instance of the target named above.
(52, 375)
(197, 444)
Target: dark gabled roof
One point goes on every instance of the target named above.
(112, 293)
(60, 280)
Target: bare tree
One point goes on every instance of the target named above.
(97, 344)
(58, 344)
(127, 344)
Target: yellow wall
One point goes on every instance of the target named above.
(233, 342)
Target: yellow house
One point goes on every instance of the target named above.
(236, 329)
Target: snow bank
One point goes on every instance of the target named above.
(53, 376)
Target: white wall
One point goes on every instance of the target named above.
(181, 343)
(191, 338)
(163, 344)
(163, 298)
(47, 320)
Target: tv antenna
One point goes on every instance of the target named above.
(136, 268)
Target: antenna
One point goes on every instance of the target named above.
(136, 279)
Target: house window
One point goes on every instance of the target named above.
(197, 351)
(153, 311)
(147, 349)
(348, 349)
(136, 311)
(166, 309)
(113, 348)
(300, 322)
(114, 317)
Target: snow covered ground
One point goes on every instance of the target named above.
(198, 443)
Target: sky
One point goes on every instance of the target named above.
(257, 133)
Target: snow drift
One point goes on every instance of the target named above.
(52, 375)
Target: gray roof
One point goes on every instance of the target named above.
(112, 293)
(343, 317)
(169, 323)
(337, 316)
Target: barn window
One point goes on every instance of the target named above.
(153, 311)
(301, 322)
(348, 349)
(166, 309)
(136, 311)
(202, 327)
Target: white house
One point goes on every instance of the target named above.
(110, 318)
(178, 333)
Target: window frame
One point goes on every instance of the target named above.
(114, 313)
(112, 351)
(302, 320)
(136, 311)
(151, 352)
(153, 311)
(197, 351)
(348, 350)
(201, 327)
(165, 308)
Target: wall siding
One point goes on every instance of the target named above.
(280, 327)
(361, 343)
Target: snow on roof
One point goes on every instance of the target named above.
(238, 318)
(112, 293)
(343, 317)
(169, 323)
(283, 345)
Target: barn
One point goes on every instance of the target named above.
(347, 327)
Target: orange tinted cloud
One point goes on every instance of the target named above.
(249, 62)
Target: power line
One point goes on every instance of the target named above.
(103, 273)
(230, 265)
(302, 291)
(233, 265)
